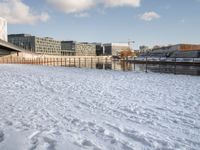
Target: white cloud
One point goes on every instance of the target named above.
(149, 16)
(16, 12)
(116, 3)
(75, 6)
(71, 6)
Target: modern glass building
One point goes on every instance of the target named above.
(45, 45)
(68, 48)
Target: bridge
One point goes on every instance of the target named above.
(8, 48)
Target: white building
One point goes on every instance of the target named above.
(115, 48)
(3, 29)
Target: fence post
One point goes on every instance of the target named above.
(79, 62)
(193, 61)
(56, 62)
(74, 62)
(146, 66)
(175, 65)
(91, 62)
(159, 64)
(134, 63)
(85, 63)
(122, 65)
(65, 62)
(47, 61)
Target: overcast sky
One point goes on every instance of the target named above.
(147, 22)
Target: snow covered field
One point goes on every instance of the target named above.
(58, 108)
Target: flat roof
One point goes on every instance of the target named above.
(116, 44)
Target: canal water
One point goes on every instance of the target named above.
(108, 64)
(129, 66)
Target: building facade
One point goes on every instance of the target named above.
(178, 50)
(46, 45)
(3, 29)
(115, 48)
(85, 49)
(99, 49)
(68, 48)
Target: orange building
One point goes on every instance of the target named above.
(189, 47)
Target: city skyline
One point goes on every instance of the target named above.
(146, 22)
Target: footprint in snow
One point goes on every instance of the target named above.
(88, 143)
(51, 143)
(1, 136)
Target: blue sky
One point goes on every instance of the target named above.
(147, 22)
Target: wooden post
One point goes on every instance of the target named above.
(115, 66)
(134, 63)
(175, 65)
(57, 62)
(65, 62)
(79, 62)
(91, 62)
(69, 62)
(47, 61)
(74, 62)
(159, 64)
(146, 66)
(85, 63)
(193, 62)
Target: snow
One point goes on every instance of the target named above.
(57, 108)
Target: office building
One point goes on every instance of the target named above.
(99, 49)
(46, 45)
(178, 50)
(68, 48)
(115, 48)
(85, 49)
